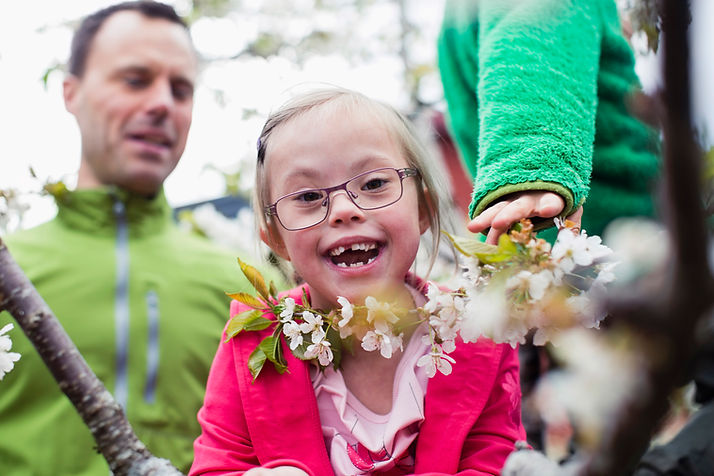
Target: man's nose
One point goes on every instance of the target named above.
(343, 209)
(161, 99)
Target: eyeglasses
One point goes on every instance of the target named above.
(371, 190)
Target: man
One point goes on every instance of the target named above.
(143, 302)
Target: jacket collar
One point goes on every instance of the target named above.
(98, 211)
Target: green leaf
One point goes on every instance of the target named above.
(305, 300)
(333, 337)
(255, 278)
(251, 320)
(256, 361)
(270, 346)
(273, 290)
(247, 299)
(300, 350)
(471, 246)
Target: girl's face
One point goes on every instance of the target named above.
(323, 148)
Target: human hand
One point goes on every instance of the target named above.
(277, 471)
(504, 214)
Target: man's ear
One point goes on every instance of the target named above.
(272, 239)
(70, 91)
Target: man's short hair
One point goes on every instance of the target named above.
(83, 37)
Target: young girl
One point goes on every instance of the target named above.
(343, 194)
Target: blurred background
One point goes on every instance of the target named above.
(256, 53)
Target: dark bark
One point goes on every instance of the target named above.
(103, 416)
(666, 317)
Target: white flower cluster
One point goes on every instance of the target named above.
(537, 288)
(7, 358)
(508, 291)
(12, 209)
(528, 286)
(313, 328)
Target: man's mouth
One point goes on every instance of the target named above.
(152, 139)
(354, 255)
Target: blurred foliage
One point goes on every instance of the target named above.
(709, 183)
(643, 16)
(210, 8)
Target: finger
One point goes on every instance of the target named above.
(484, 219)
(549, 205)
(494, 233)
(522, 207)
(576, 217)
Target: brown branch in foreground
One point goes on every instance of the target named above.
(668, 317)
(101, 413)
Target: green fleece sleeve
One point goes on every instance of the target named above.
(533, 75)
(538, 97)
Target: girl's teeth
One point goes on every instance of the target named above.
(354, 265)
(354, 247)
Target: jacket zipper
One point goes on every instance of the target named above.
(152, 351)
(121, 304)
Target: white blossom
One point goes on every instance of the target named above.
(287, 313)
(7, 358)
(346, 312)
(534, 285)
(435, 360)
(640, 246)
(485, 314)
(570, 250)
(587, 311)
(382, 339)
(312, 322)
(472, 269)
(292, 331)
(432, 299)
(322, 350)
(379, 309)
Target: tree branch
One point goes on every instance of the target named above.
(668, 316)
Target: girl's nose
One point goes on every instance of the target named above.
(343, 209)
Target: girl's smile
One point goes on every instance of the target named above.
(354, 254)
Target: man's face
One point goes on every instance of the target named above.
(133, 103)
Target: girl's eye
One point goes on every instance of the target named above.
(308, 196)
(374, 184)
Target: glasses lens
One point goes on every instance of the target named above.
(375, 189)
(302, 209)
(370, 190)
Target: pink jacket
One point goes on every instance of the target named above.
(472, 417)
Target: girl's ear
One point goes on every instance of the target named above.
(272, 239)
(426, 207)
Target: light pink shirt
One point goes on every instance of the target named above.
(360, 441)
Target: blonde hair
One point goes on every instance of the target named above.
(398, 125)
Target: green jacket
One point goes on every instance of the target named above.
(144, 302)
(536, 93)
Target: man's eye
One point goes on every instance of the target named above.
(135, 81)
(182, 91)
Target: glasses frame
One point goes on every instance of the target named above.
(272, 210)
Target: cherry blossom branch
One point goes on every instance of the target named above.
(101, 413)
